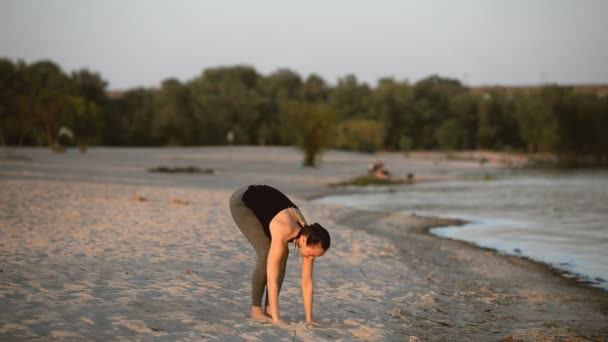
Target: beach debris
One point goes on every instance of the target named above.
(179, 169)
(400, 313)
(351, 322)
(230, 137)
(360, 269)
(488, 177)
(179, 201)
(397, 312)
(371, 181)
(410, 177)
(414, 339)
(429, 298)
(65, 132)
(549, 324)
(189, 271)
(138, 198)
(10, 155)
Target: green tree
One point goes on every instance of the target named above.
(45, 95)
(226, 100)
(281, 85)
(278, 87)
(130, 118)
(600, 123)
(394, 107)
(362, 135)
(10, 125)
(431, 108)
(312, 125)
(536, 123)
(174, 120)
(497, 128)
(84, 119)
(314, 89)
(463, 124)
(90, 86)
(350, 99)
(85, 110)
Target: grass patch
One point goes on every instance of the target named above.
(187, 169)
(485, 177)
(489, 177)
(364, 181)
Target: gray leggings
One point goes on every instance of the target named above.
(251, 227)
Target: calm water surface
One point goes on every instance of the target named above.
(559, 218)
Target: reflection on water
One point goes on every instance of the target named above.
(557, 218)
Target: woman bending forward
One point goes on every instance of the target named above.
(269, 220)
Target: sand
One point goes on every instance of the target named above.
(92, 247)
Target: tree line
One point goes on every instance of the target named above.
(238, 105)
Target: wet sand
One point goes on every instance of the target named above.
(94, 247)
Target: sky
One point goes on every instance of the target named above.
(481, 42)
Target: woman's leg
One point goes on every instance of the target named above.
(251, 227)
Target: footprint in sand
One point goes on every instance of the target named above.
(351, 322)
(362, 332)
(56, 334)
(12, 326)
(135, 325)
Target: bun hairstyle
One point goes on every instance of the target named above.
(315, 234)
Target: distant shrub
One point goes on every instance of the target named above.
(187, 169)
(360, 135)
(364, 180)
(312, 127)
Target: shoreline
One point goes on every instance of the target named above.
(364, 219)
(442, 222)
(577, 278)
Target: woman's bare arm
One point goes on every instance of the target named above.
(307, 287)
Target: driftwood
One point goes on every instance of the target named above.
(186, 169)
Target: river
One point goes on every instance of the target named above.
(556, 217)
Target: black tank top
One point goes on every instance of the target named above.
(266, 202)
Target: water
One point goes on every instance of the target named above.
(557, 218)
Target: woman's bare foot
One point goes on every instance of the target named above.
(258, 315)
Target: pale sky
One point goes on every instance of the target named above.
(140, 43)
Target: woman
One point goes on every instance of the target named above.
(269, 220)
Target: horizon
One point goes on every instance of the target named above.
(375, 83)
(329, 82)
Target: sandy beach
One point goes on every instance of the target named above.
(95, 247)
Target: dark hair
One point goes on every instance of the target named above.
(316, 234)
